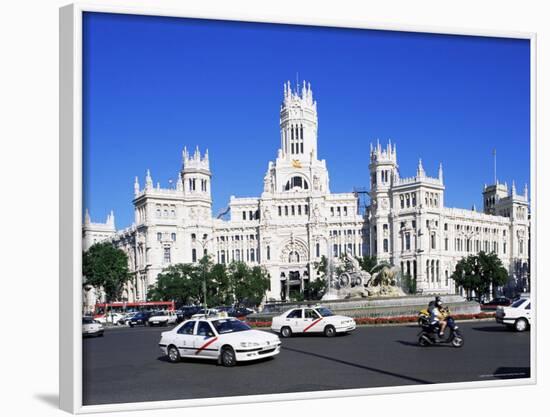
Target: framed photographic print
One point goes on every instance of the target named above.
(260, 209)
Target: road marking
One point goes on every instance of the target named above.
(199, 350)
(312, 324)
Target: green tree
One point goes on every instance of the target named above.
(409, 283)
(367, 263)
(180, 283)
(249, 285)
(105, 266)
(478, 272)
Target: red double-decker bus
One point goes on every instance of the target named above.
(124, 306)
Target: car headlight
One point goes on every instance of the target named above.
(249, 344)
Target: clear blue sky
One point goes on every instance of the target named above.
(153, 85)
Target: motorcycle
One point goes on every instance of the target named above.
(429, 333)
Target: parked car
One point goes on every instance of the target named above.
(311, 320)
(140, 319)
(495, 302)
(186, 312)
(518, 314)
(239, 311)
(210, 312)
(163, 318)
(225, 339)
(91, 327)
(125, 319)
(109, 318)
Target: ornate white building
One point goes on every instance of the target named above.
(296, 220)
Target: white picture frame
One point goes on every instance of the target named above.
(71, 209)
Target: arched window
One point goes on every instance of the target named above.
(296, 182)
(293, 257)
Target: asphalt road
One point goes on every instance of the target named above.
(126, 364)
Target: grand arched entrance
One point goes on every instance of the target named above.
(294, 271)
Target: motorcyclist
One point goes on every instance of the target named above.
(435, 308)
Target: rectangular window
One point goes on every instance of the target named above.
(386, 245)
(167, 257)
(345, 211)
(159, 236)
(446, 243)
(286, 210)
(173, 237)
(332, 211)
(306, 209)
(407, 241)
(193, 255)
(292, 210)
(299, 210)
(317, 250)
(280, 211)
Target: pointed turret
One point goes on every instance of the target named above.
(87, 219)
(148, 180)
(179, 184)
(440, 174)
(420, 173)
(111, 219)
(136, 186)
(526, 192)
(513, 188)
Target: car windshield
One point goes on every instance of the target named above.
(325, 312)
(230, 326)
(87, 320)
(519, 302)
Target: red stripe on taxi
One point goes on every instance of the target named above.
(312, 324)
(199, 350)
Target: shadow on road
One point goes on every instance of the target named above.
(415, 344)
(213, 362)
(512, 372)
(492, 329)
(356, 365)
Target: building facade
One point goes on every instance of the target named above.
(297, 220)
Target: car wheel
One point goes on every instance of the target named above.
(521, 325)
(131, 324)
(286, 332)
(173, 354)
(330, 331)
(228, 357)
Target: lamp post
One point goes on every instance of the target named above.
(203, 242)
(328, 240)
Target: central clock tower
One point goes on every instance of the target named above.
(298, 122)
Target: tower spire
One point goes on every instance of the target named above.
(136, 186)
(420, 170)
(495, 164)
(440, 173)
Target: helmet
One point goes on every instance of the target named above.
(438, 301)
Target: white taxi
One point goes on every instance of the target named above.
(518, 314)
(311, 320)
(225, 339)
(163, 318)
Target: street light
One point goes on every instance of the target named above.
(203, 244)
